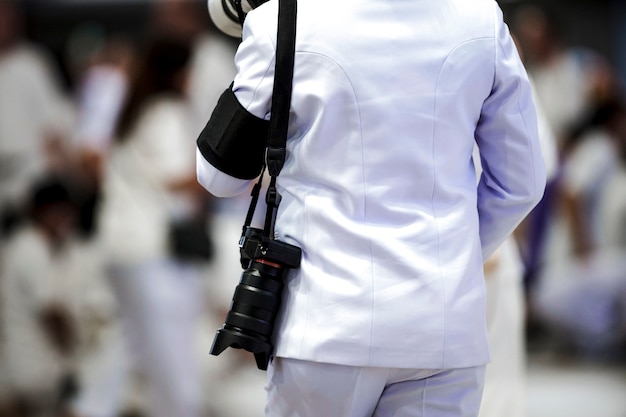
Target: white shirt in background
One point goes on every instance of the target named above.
(33, 278)
(31, 107)
(138, 205)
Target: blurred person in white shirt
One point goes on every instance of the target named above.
(569, 82)
(213, 67)
(34, 114)
(149, 183)
(101, 94)
(582, 295)
(566, 79)
(39, 283)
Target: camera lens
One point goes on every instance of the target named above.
(250, 321)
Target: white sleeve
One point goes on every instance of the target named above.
(253, 87)
(513, 178)
(215, 181)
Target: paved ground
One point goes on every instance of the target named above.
(576, 390)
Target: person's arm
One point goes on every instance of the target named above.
(231, 148)
(573, 209)
(29, 281)
(513, 178)
(584, 169)
(58, 325)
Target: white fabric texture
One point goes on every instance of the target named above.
(307, 389)
(378, 187)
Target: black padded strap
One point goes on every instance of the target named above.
(232, 140)
(281, 104)
(279, 119)
(283, 84)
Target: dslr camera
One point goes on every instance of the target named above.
(250, 321)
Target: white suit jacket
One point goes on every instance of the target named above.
(379, 189)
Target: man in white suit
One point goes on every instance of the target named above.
(386, 314)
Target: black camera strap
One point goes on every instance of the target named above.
(276, 151)
(283, 86)
(250, 321)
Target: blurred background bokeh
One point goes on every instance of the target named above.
(116, 268)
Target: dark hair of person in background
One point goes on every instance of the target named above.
(538, 31)
(10, 24)
(609, 114)
(160, 71)
(52, 208)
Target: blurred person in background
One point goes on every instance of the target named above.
(212, 64)
(574, 283)
(100, 96)
(149, 184)
(592, 157)
(582, 297)
(34, 118)
(40, 305)
(613, 202)
(34, 115)
(101, 92)
(569, 82)
(566, 80)
(212, 69)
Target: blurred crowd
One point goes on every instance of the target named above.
(114, 271)
(116, 268)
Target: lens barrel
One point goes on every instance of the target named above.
(250, 322)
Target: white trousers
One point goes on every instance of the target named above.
(298, 388)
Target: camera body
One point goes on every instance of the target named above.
(254, 245)
(250, 321)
